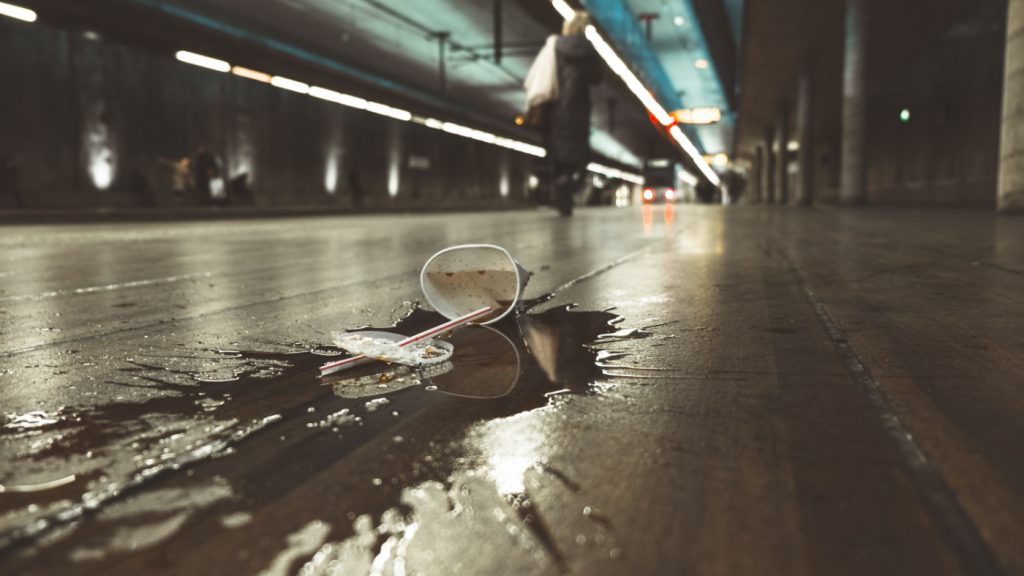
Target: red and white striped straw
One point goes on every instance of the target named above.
(449, 325)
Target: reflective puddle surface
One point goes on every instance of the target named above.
(343, 469)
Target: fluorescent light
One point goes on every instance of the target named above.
(694, 154)
(289, 84)
(688, 178)
(360, 103)
(615, 173)
(17, 12)
(338, 97)
(203, 61)
(563, 9)
(467, 132)
(385, 110)
(251, 74)
(698, 115)
(632, 82)
(356, 102)
(640, 91)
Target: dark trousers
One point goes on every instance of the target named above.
(567, 179)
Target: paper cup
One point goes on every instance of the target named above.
(461, 279)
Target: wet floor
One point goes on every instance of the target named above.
(685, 390)
(292, 424)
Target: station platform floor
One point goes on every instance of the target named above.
(687, 390)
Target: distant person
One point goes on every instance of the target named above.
(139, 184)
(181, 177)
(240, 190)
(10, 183)
(207, 176)
(355, 188)
(567, 119)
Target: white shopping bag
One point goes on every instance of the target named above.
(217, 191)
(542, 81)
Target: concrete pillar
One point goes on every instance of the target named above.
(756, 191)
(782, 160)
(1011, 154)
(852, 185)
(768, 182)
(805, 136)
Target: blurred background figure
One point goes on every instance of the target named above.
(140, 186)
(207, 175)
(181, 178)
(567, 119)
(10, 185)
(355, 188)
(240, 191)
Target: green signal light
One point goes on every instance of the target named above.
(905, 115)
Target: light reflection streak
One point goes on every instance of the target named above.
(512, 446)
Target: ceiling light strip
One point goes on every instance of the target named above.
(615, 173)
(251, 74)
(289, 84)
(563, 8)
(17, 12)
(694, 155)
(202, 61)
(358, 103)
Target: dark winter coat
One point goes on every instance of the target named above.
(568, 118)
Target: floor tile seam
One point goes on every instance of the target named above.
(646, 247)
(939, 498)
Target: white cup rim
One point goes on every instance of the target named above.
(515, 267)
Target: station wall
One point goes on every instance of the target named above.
(947, 153)
(91, 123)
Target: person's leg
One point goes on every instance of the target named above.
(567, 179)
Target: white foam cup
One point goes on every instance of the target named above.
(461, 279)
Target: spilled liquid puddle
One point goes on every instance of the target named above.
(266, 423)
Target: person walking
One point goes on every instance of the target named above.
(567, 118)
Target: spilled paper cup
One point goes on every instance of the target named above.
(461, 279)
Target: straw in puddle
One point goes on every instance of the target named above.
(416, 350)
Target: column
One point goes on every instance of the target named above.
(804, 193)
(852, 163)
(782, 159)
(768, 182)
(1011, 150)
(756, 192)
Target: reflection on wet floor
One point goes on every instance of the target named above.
(265, 424)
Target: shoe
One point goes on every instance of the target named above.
(564, 204)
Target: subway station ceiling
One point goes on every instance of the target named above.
(404, 41)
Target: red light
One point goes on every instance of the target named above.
(648, 194)
(670, 194)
